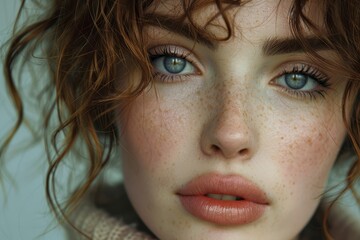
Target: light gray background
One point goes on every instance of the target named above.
(24, 213)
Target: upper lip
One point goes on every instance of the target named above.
(213, 183)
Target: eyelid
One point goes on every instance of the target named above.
(305, 68)
(177, 51)
(322, 80)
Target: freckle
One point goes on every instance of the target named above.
(309, 141)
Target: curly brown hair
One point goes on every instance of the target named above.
(90, 45)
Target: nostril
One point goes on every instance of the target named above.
(243, 152)
(215, 148)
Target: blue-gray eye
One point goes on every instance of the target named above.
(174, 65)
(296, 80)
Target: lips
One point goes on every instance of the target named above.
(223, 200)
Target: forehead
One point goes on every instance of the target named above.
(249, 15)
(255, 21)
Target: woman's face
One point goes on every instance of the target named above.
(235, 139)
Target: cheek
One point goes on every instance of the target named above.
(308, 153)
(151, 132)
(297, 172)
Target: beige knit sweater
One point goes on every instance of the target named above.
(98, 225)
(107, 214)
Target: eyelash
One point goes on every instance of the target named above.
(319, 78)
(309, 71)
(172, 51)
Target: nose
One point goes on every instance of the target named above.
(227, 133)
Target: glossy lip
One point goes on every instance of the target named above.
(223, 212)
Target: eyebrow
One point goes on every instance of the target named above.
(275, 46)
(271, 46)
(182, 28)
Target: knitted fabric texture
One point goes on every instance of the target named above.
(98, 225)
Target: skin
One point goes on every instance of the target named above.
(230, 117)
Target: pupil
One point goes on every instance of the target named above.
(296, 81)
(174, 64)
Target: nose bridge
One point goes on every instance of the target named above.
(231, 117)
(227, 132)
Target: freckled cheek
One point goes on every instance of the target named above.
(309, 155)
(152, 132)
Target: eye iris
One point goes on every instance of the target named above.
(174, 64)
(296, 81)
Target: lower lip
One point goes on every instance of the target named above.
(223, 212)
